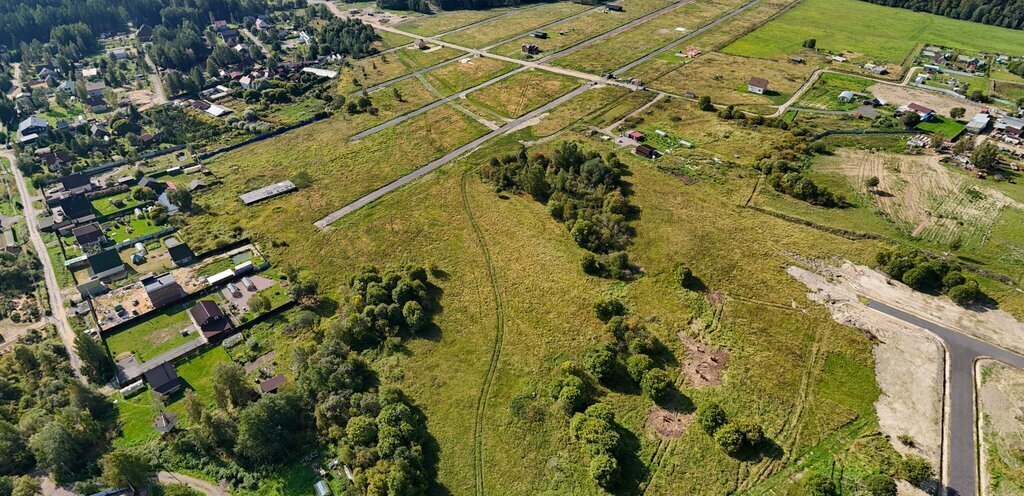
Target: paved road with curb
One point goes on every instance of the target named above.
(961, 477)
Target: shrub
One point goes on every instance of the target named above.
(711, 417)
(600, 362)
(637, 365)
(880, 485)
(915, 469)
(655, 384)
(819, 485)
(730, 438)
(608, 308)
(605, 470)
(682, 274)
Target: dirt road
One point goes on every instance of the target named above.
(59, 315)
(197, 484)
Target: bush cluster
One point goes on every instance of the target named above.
(929, 275)
(734, 437)
(596, 431)
(384, 304)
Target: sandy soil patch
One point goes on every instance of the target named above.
(902, 95)
(909, 366)
(921, 196)
(132, 298)
(1001, 403)
(667, 424)
(704, 366)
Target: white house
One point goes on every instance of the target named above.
(757, 85)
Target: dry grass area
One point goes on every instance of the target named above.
(710, 41)
(466, 73)
(616, 51)
(1000, 397)
(387, 66)
(446, 21)
(724, 78)
(496, 30)
(522, 92)
(593, 100)
(941, 103)
(923, 197)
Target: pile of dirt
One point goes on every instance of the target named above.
(666, 423)
(704, 366)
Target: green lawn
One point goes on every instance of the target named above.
(276, 294)
(135, 228)
(197, 373)
(152, 336)
(106, 205)
(942, 125)
(882, 33)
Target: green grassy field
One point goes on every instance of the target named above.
(824, 94)
(505, 27)
(385, 67)
(152, 336)
(105, 205)
(881, 33)
(133, 229)
(522, 92)
(443, 22)
(942, 125)
(466, 73)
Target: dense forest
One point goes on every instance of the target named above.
(25, 21)
(1005, 13)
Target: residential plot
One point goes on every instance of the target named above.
(725, 77)
(152, 336)
(709, 41)
(871, 31)
(466, 73)
(827, 93)
(522, 92)
(443, 22)
(999, 397)
(505, 27)
(582, 28)
(614, 52)
(577, 110)
(384, 67)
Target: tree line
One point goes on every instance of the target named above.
(1006, 13)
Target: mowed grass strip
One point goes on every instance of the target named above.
(387, 66)
(522, 92)
(467, 73)
(505, 27)
(443, 22)
(710, 40)
(883, 33)
(583, 28)
(152, 336)
(616, 51)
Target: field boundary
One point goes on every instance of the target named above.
(499, 331)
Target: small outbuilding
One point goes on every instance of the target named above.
(646, 151)
(757, 85)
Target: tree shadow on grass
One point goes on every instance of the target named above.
(632, 469)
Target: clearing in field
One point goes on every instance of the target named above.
(1002, 421)
(498, 30)
(466, 73)
(921, 196)
(874, 32)
(522, 92)
(724, 78)
(616, 51)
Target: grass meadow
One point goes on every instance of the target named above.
(433, 25)
(879, 33)
(522, 92)
(500, 29)
(388, 66)
(466, 73)
(824, 94)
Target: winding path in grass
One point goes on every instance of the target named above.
(499, 331)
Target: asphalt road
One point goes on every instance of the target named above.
(427, 169)
(58, 312)
(961, 451)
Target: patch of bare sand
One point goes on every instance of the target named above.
(666, 423)
(909, 366)
(1000, 400)
(704, 365)
(902, 95)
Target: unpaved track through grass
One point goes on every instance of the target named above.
(499, 331)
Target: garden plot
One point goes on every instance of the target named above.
(921, 197)
(902, 95)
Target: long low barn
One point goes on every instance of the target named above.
(267, 192)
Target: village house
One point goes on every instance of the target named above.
(635, 135)
(33, 126)
(978, 123)
(614, 8)
(757, 85)
(106, 265)
(165, 422)
(163, 380)
(162, 289)
(76, 208)
(271, 385)
(923, 112)
(144, 33)
(76, 183)
(89, 236)
(529, 49)
(209, 319)
(646, 151)
(181, 254)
